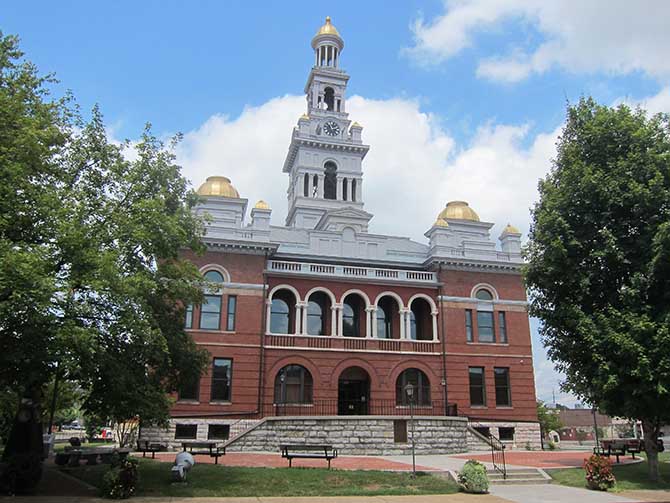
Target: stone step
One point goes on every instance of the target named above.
(519, 476)
(532, 481)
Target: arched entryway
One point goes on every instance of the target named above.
(353, 392)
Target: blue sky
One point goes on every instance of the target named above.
(468, 95)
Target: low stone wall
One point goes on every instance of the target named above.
(357, 435)
(166, 436)
(526, 435)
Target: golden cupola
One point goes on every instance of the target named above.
(218, 186)
(510, 229)
(458, 210)
(328, 35)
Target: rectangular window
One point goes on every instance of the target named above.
(400, 431)
(477, 386)
(501, 375)
(189, 316)
(221, 379)
(485, 326)
(232, 306)
(187, 431)
(483, 430)
(502, 326)
(218, 432)
(190, 390)
(468, 325)
(210, 313)
(506, 433)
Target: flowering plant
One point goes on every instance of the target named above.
(599, 474)
(120, 481)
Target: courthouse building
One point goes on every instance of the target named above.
(322, 324)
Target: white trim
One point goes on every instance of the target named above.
(216, 267)
(359, 292)
(285, 287)
(484, 286)
(391, 294)
(323, 289)
(470, 300)
(422, 296)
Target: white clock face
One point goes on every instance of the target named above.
(331, 128)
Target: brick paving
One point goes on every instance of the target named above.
(545, 459)
(271, 460)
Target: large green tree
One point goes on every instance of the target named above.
(599, 263)
(91, 281)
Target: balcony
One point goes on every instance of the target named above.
(351, 272)
(360, 408)
(351, 344)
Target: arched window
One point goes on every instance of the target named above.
(330, 181)
(412, 326)
(344, 189)
(318, 307)
(484, 294)
(214, 276)
(329, 97)
(421, 326)
(293, 385)
(421, 384)
(351, 319)
(315, 185)
(385, 318)
(305, 191)
(280, 315)
(353, 190)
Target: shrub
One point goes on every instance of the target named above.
(120, 481)
(472, 477)
(599, 473)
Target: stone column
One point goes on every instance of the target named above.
(434, 316)
(373, 315)
(369, 312)
(403, 326)
(303, 327)
(336, 320)
(268, 315)
(339, 188)
(320, 191)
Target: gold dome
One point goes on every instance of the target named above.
(440, 222)
(218, 186)
(327, 29)
(510, 229)
(458, 210)
(262, 205)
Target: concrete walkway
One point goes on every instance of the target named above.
(446, 498)
(553, 493)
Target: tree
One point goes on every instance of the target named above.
(548, 418)
(92, 282)
(599, 263)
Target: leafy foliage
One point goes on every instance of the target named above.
(548, 418)
(121, 479)
(599, 473)
(91, 279)
(599, 262)
(473, 478)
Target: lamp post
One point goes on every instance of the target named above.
(409, 389)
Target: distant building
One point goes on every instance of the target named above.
(578, 424)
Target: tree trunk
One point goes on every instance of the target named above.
(651, 430)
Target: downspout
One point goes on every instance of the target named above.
(442, 340)
(261, 360)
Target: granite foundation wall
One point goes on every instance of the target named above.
(358, 435)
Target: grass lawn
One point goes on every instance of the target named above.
(213, 480)
(628, 477)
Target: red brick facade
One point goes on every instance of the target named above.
(257, 358)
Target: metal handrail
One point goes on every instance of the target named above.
(498, 455)
(335, 407)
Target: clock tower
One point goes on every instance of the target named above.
(326, 152)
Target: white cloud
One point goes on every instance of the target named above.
(653, 104)
(612, 36)
(411, 171)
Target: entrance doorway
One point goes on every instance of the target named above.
(353, 392)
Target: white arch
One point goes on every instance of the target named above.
(285, 287)
(422, 296)
(358, 292)
(401, 304)
(324, 290)
(485, 286)
(216, 267)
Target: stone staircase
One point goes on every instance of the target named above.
(519, 476)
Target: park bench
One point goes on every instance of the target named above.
(199, 448)
(304, 451)
(145, 446)
(615, 447)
